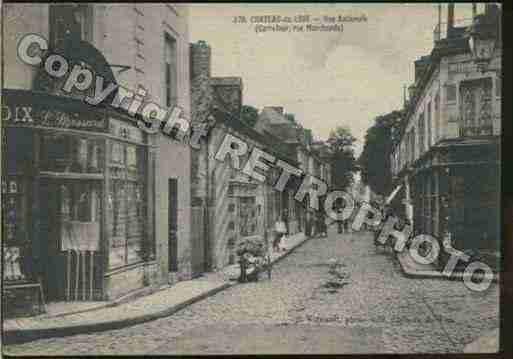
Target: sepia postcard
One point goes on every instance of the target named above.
(250, 178)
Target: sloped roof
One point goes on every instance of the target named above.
(273, 116)
(270, 121)
(271, 143)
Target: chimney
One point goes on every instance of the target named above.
(278, 109)
(200, 55)
(450, 18)
(438, 29)
(201, 90)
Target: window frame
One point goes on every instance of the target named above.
(65, 15)
(170, 70)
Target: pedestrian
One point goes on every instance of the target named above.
(285, 218)
(279, 231)
(308, 224)
(320, 225)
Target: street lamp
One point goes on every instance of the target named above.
(482, 38)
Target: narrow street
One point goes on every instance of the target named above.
(311, 305)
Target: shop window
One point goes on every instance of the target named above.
(80, 212)
(69, 153)
(14, 210)
(126, 205)
(247, 216)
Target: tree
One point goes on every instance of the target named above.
(249, 115)
(374, 160)
(343, 161)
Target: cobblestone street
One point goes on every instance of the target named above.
(313, 305)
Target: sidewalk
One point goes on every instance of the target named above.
(413, 269)
(157, 305)
(232, 272)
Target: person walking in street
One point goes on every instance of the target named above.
(280, 229)
(308, 224)
(320, 225)
(285, 218)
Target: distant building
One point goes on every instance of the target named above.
(228, 206)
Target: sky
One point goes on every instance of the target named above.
(327, 79)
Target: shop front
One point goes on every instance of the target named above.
(77, 193)
(452, 203)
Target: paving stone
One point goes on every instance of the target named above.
(402, 314)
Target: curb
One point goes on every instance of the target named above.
(457, 276)
(292, 249)
(22, 336)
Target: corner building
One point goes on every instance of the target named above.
(93, 207)
(448, 157)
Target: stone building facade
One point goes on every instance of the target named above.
(448, 156)
(228, 206)
(136, 196)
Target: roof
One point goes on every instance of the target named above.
(271, 121)
(273, 116)
(271, 144)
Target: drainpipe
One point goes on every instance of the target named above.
(207, 254)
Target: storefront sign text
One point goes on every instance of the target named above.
(30, 116)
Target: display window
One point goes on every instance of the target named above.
(126, 204)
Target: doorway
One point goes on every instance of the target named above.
(69, 241)
(173, 225)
